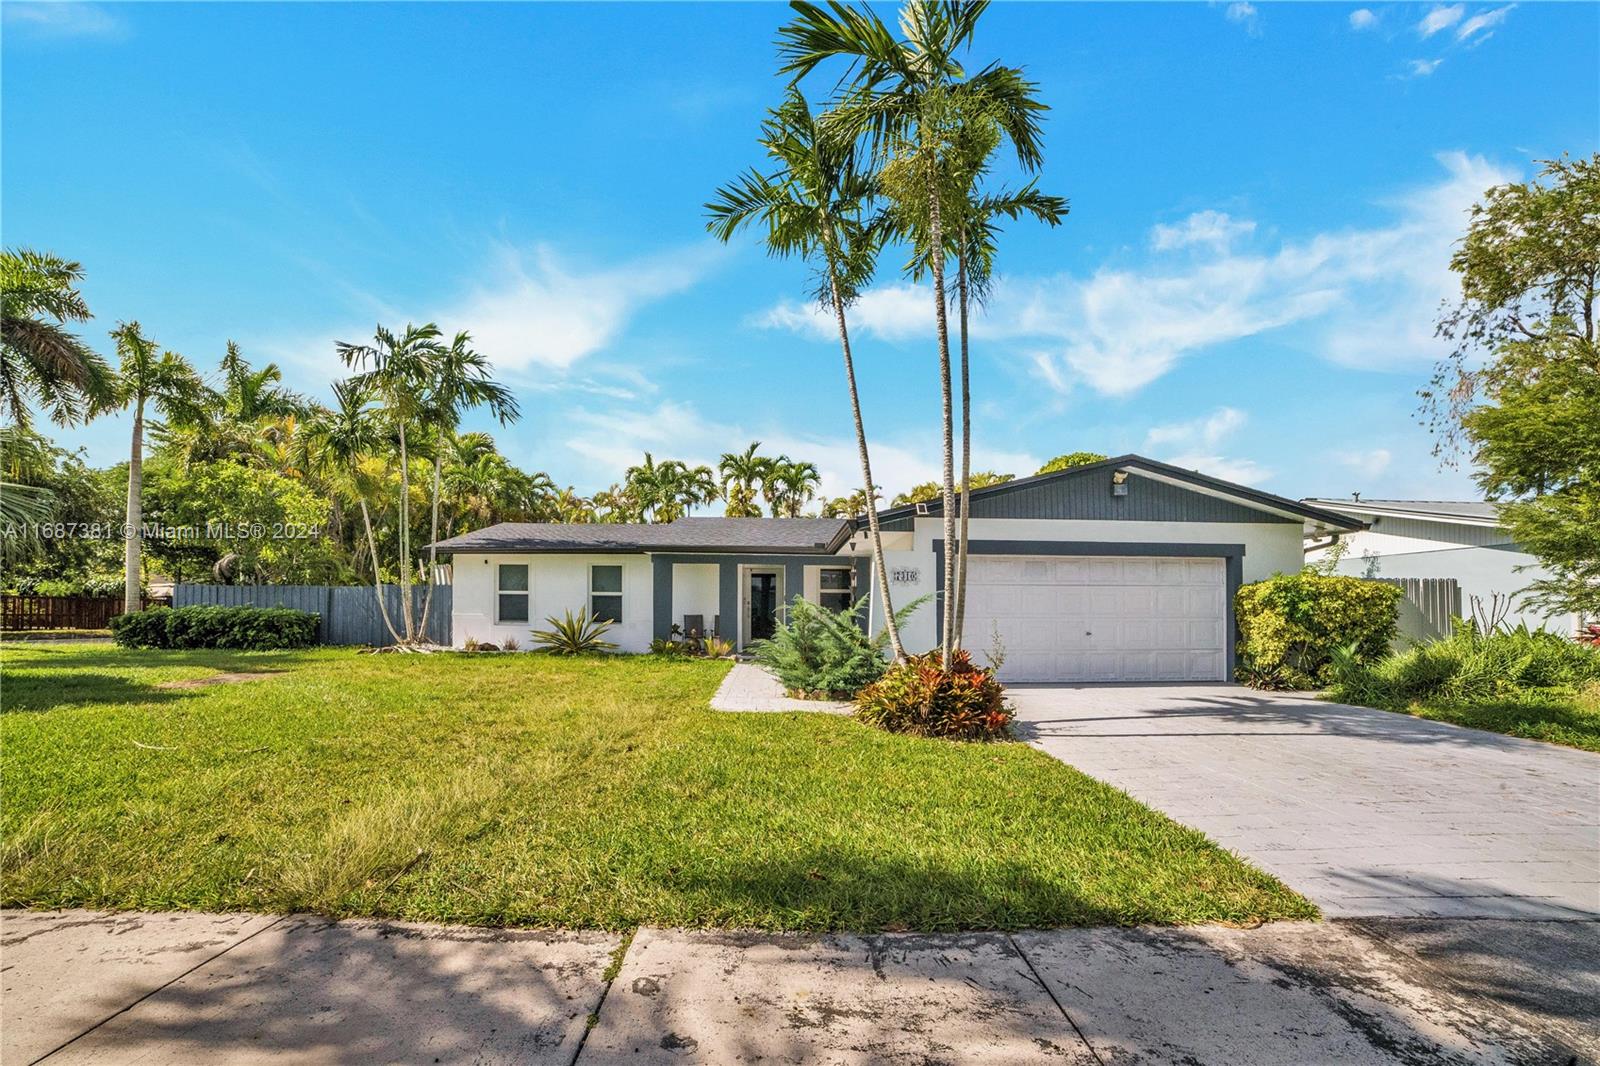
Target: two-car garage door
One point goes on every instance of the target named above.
(1093, 618)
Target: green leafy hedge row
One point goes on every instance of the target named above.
(245, 628)
(1291, 624)
(1469, 666)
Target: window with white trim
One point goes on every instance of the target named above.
(511, 592)
(605, 593)
(833, 588)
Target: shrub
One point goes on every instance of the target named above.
(1290, 625)
(918, 697)
(573, 636)
(1468, 666)
(823, 654)
(718, 648)
(244, 628)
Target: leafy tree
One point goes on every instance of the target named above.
(851, 506)
(42, 483)
(928, 491)
(742, 475)
(912, 97)
(796, 484)
(40, 360)
(1070, 460)
(1521, 389)
(249, 418)
(400, 370)
(665, 491)
(169, 385)
(814, 205)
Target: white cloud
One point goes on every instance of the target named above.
(605, 442)
(1362, 19)
(1367, 463)
(1215, 228)
(534, 310)
(1483, 21)
(894, 312)
(1421, 68)
(63, 20)
(1246, 15)
(1440, 18)
(1193, 445)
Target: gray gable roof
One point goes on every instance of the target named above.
(1476, 510)
(798, 536)
(1168, 494)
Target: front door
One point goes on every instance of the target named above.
(763, 601)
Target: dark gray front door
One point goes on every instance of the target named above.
(763, 605)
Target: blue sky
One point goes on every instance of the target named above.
(1263, 199)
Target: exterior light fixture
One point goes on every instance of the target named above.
(1119, 483)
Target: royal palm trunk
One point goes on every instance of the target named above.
(132, 586)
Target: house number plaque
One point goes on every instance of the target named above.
(906, 575)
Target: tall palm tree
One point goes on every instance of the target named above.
(742, 474)
(798, 482)
(40, 360)
(340, 441)
(909, 95)
(170, 386)
(459, 381)
(814, 205)
(399, 370)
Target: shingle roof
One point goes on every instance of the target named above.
(1480, 510)
(797, 536)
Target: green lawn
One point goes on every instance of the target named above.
(1559, 716)
(528, 790)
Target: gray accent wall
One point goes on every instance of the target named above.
(794, 583)
(1088, 496)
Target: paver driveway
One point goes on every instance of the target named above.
(1365, 812)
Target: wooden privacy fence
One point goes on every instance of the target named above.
(1429, 607)
(349, 612)
(34, 613)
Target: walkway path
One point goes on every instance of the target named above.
(1366, 812)
(84, 987)
(749, 687)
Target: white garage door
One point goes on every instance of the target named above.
(1092, 618)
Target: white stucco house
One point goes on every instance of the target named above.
(1442, 539)
(1123, 570)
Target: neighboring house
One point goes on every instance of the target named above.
(1443, 539)
(1123, 570)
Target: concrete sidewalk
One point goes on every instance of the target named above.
(189, 988)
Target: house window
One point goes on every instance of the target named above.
(834, 588)
(605, 593)
(512, 591)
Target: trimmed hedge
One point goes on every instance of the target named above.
(245, 628)
(1291, 624)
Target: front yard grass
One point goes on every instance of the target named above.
(1558, 716)
(530, 790)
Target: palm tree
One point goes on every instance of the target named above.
(813, 205)
(340, 441)
(741, 473)
(402, 369)
(909, 98)
(798, 483)
(40, 361)
(459, 382)
(567, 506)
(168, 384)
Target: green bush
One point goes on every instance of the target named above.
(244, 628)
(1469, 667)
(965, 702)
(823, 654)
(1291, 624)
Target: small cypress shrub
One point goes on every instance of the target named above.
(821, 654)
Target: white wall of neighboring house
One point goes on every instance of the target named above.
(557, 583)
(1481, 571)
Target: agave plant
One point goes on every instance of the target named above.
(569, 635)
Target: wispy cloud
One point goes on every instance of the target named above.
(533, 309)
(1363, 19)
(62, 20)
(1195, 444)
(1370, 463)
(1440, 18)
(1216, 229)
(1421, 68)
(1483, 23)
(1360, 297)
(1246, 15)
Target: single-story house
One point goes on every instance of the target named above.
(1443, 539)
(1122, 570)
